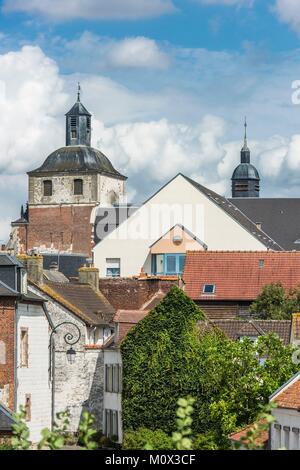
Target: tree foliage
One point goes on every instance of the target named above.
(274, 303)
(166, 356)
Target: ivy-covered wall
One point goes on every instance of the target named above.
(158, 363)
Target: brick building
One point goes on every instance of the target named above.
(64, 193)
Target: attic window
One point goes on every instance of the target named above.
(209, 289)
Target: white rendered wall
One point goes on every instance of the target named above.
(131, 240)
(33, 379)
(290, 418)
(113, 401)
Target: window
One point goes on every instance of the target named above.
(24, 347)
(277, 429)
(113, 378)
(78, 187)
(295, 444)
(48, 188)
(261, 263)
(209, 289)
(27, 407)
(113, 267)
(74, 134)
(88, 122)
(111, 423)
(168, 264)
(286, 430)
(2, 353)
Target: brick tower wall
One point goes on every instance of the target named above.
(63, 228)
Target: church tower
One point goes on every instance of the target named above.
(65, 191)
(245, 178)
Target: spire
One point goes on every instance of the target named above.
(245, 138)
(245, 152)
(78, 92)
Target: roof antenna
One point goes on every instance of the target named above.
(78, 92)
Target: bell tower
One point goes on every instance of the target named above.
(78, 124)
(245, 178)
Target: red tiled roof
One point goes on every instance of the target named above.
(239, 275)
(262, 439)
(130, 316)
(235, 329)
(289, 396)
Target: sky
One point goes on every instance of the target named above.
(168, 82)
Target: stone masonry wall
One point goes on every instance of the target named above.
(78, 386)
(7, 355)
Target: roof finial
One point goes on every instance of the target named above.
(78, 92)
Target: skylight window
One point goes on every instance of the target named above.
(209, 289)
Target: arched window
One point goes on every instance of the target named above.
(47, 188)
(78, 187)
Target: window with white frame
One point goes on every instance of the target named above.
(277, 432)
(112, 267)
(113, 378)
(111, 423)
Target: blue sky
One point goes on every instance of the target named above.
(168, 82)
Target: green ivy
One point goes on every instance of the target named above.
(167, 356)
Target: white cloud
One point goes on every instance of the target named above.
(288, 12)
(107, 53)
(92, 9)
(151, 134)
(137, 52)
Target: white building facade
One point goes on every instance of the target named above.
(210, 218)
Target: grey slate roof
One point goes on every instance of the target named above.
(245, 171)
(77, 158)
(78, 110)
(279, 217)
(6, 291)
(6, 418)
(235, 213)
(7, 260)
(54, 276)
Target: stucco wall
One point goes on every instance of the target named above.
(177, 203)
(289, 440)
(34, 379)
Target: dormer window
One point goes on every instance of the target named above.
(48, 188)
(78, 187)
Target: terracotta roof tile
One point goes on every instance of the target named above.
(239, 275)
(235, 329)
(261, 440)
(289, 396)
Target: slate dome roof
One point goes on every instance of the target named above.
(78, 158)
(245, 171)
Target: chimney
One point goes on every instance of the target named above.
(34, 267)
(89, 276)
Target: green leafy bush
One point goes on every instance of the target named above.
(142, 437)
(167, 356)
